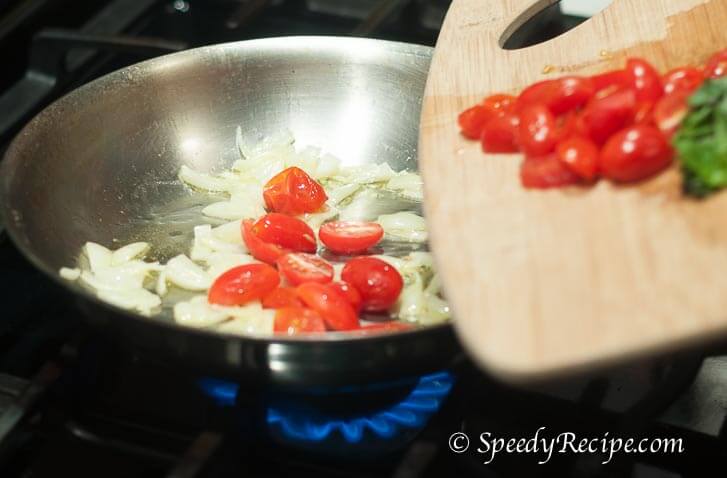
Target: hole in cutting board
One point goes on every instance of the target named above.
(547, 19)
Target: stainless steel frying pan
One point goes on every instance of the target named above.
(101, 164)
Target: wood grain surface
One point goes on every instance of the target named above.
(543, 282)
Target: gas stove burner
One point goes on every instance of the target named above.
(364, 417)
(380, 428)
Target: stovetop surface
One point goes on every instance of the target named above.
(74, 401)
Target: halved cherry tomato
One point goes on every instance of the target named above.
(293, 192)
(260, 250)
(635, 153)
(644, 112)
(286, 231)
(604, 116)
(332, 306)
(349, 237)
(243, 284)
(559, 96)
(686, 78)
(499, 103)
(610, 79)
(644, 79)
(580, 155)
(670, 111)
(500, 134)
(538, 132)
(350, 293)
(298, 320)
(298, 267)
(472, 120)
(546, 172)
(573, 125)
(281, 297)
(378, 282)
(385, 327)
(716, 66)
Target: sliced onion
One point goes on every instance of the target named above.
(70, 274)
(243, 204)
(123, 277)
(98, 256)
(139, 299)
(437, 310)
(328, 166)
(202, 181)
(261, 324)
(306, 159)
(197, 312)
(201, 249)
(407, 184)
(361, 207)
(435, 285)
(366, 173)
(129, 252)
(230, 232)
(161, 285)
(411, 302)
(404, 226)
(246, 320)
(221, 262)
(282, 140)
(182, 272)
(335, 196)
(316, 219)
(337, 269)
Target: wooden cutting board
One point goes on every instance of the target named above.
(543, 282)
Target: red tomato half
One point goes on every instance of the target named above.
(281, 297)
(644, 79)
(332, 306)
(349, 237)
(472, 120)
(286, 231)
(686, 78)
(293, 192)
(538, 132)
(378, 282)
(546, 172)
(610, 79)
(716, 67)
(580, 155)
(670, 111)
(259, 249)
(350, 293)
(500, 134)
(298, 320)
(635, 153)
(243, 284)
(559, 96)
(644, 112)
(298, 267)
(499, 103)
(604, 116)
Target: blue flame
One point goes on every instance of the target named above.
(222, 392)
(412, 412)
